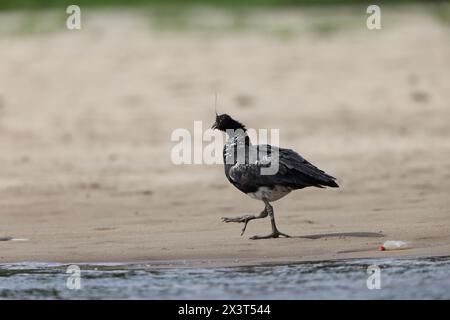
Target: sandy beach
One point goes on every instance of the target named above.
(86, 118)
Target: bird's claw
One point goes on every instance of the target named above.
(276, 234)
(237, 219)
(244, 219)
(245, 227)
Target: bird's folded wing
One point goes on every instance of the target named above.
(292, 160)
(293, 170)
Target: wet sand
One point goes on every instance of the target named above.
(86, 119)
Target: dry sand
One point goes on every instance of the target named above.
(86, 118)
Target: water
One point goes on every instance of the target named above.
(423, 278)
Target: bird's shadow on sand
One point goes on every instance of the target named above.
(342, 234)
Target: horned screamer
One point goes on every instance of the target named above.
(247, 168)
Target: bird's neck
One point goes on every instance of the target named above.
(236, 148)
(238, 138)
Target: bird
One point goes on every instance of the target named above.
(244, 165)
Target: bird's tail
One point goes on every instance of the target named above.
(332, 184)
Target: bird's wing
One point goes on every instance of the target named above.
(293, 170)
(293, 161)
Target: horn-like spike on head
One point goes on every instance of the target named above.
(215, 106)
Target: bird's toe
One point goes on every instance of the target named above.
(270, 236)
(237, 219)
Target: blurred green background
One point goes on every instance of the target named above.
(27, 4)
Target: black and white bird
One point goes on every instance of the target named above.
(245, 164)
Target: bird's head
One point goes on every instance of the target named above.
(225, 122)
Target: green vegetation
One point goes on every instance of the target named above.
(442, 13)
(324, 18)
(32, 22)
(42, 4)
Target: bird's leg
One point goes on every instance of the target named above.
(275, 232)
(245, 219)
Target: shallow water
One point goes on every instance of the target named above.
(423, 278)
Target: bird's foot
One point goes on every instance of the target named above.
(275, 234)
(237, 219)
(244, 219)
